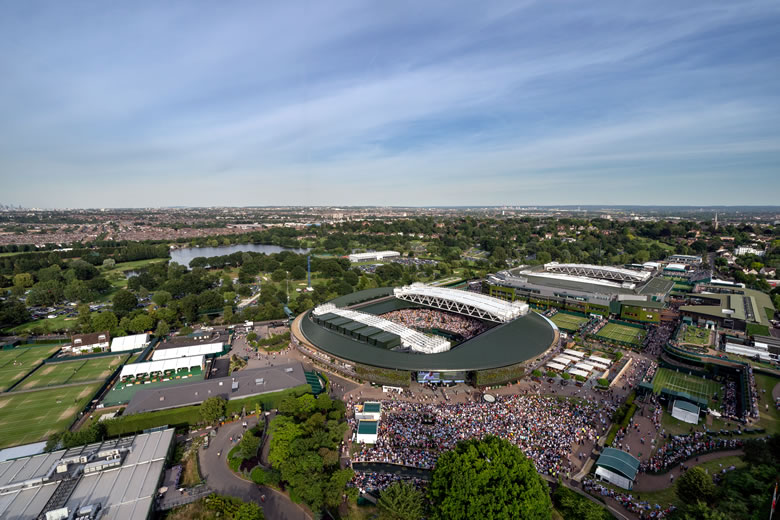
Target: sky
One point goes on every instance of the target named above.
(145, 104)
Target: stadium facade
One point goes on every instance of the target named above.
(347, 335)
(584, 288)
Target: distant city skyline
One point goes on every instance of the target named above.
(154, 104)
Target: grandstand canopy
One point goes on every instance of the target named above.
(151, 367)
(204, 349)
(599, 271)
(410, 338)
(462, 302)
(134, 342)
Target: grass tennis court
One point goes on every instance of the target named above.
(568, 322)
(624, 333)
(682, 382)
(50, 374)
(18, 362)
(34, 416)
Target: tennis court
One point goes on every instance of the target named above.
(18, 362)
(93, 369)
(624, 333)
(682, 382)
(568, 322)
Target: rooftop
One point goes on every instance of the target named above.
(619, 462)
(496, 310)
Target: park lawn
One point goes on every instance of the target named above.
(79, 370)
(134, 265)
(29, 357)
(49, 325)
(769, 419)
(34, 416)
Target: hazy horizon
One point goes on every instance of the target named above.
(404, 104)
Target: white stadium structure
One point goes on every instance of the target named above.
(462, 302)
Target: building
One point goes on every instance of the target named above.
(203, 349)
(244, 383)
(765, 348)
(729, 307)
(617, 467)
(684, 259)
(128, 343)
(579, 287)
(374, 255)
(367, 432)
(685, 411)
(368, 411)
(748, 250)
(113, 480)
(165, 368)
(90, 342)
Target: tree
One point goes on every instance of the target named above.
(400, 501)
(109, 263)
(162, 329)
(105, 320)
(279, 275)
(248, 446)
(694, 485)
(488, 478)
(298, 273)
(212, 409)
(572, 505)
(124, 302)
(141, 323)
(23, 280)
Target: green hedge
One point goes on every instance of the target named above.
(178, 417)
(266, 401)
(384, 375)
(499, 376)
(265, 477)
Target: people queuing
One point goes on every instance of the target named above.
(642, 508)
(370, 482)
(683, 447)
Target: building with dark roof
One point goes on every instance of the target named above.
(729, 307)
(241, 384)
(88, 342)
(617, 467)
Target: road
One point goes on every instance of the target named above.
(219, 477)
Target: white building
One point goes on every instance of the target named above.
(375, 255)
(748, 250)
(126, 343)
(617, 467)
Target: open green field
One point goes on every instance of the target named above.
(696, 335)
(48, 325)
(18, 362)
(34, 416)
(77, 371)
(568, 322)
(682, 382)
(623, 333)
(769, 416)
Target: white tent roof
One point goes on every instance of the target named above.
(149, 367)
(189, 351)
(556, 366)
(576, 372)
(584, 366)
(562, 360)
(575, 353)
(600, 360)
(570, 358)
(133, 342)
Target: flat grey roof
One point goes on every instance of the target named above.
(274, 378)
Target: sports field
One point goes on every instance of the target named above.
(51, 374)
(33, 416)
(623, 333)
(568, 322)
(18, 362)
(682, 382)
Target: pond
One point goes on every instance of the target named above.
(185, 255)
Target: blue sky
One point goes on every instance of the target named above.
(142, 104)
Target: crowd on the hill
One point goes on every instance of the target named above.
(642, 508)
(683, 447)
(547, 429)
(429, 319)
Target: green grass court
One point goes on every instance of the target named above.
(18, 362)
(682, 382)
(568, 322)
(624, 333)
(34, 416)
(51, 374)
(696, 336)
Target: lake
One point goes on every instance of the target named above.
(185, 255)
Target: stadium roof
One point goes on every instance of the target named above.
(204, 349)
(599, 271)
(463, 302)
(250, 383)
(742, 304)
(619, 462)
(149, 367)
(124, 487)
(136, 341)
(410, 338)
(506, 344)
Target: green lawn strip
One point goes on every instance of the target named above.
(769, 419)
(29, 357)
(48, 324)
(34, 416)
(79, 370)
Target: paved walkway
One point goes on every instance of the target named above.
(219, 477)
(649, 482)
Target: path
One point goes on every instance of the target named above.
(649, 482)
(221, 479)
